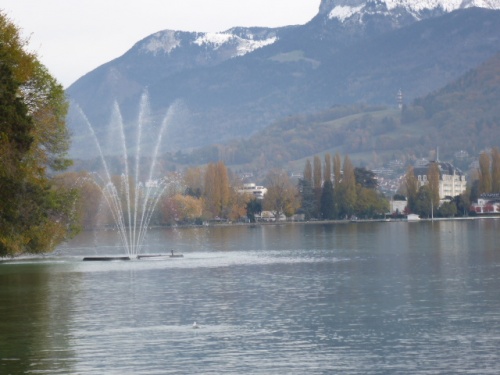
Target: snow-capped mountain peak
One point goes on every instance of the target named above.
(343, 10)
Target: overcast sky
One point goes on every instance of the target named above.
(72, 37)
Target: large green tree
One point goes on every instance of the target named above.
(365, 177)
(35, 213)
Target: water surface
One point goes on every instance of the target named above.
(366, 298)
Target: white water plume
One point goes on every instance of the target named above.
(131, 201)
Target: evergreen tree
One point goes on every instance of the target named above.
(317, 178)
(317, 184)
(337, 178)
(307, 199)
(365, 178)
(327, 203)
(328, 168)
(254, 207)
(308, 174)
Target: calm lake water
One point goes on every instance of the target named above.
(365, 298)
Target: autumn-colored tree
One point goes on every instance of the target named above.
(484, 174)
(193, 180)
(433, 178)
(411, 185)
(181, 208)
(347, 196)
(33, 138)
(239, 203)
(217, 191)
(281, 197)
(495, 170)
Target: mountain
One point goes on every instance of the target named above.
(462, 116)
(230, 85)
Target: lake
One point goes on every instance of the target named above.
(354, 298)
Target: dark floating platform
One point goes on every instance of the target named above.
(100, 259)
(153, 256)
(144, 256)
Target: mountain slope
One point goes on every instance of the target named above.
(463, 115)
(221, 95)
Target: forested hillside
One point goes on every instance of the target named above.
(464, 115)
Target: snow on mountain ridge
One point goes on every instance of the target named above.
(244, 45)
(168, 40)
(345, 9)
(162, 41)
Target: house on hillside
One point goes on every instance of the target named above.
(452, 181)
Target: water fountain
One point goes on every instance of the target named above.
(130, 200)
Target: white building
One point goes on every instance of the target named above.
(257, 191)
(398, 206)
(487, 204)
(452, 181)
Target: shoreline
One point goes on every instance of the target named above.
(310, 222)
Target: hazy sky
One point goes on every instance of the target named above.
(72, 37)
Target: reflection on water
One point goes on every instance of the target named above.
(380, 298)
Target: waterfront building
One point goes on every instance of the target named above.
(452, 181)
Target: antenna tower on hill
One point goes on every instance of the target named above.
(400, 99)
